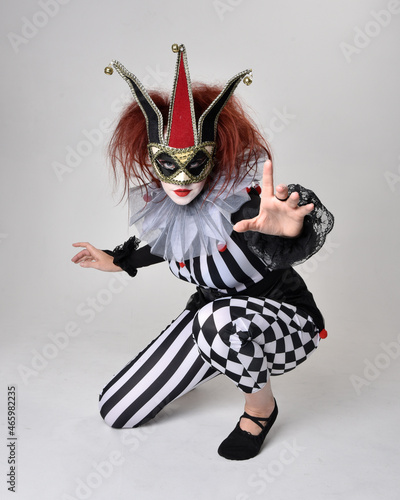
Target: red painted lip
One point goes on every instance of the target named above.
(182, 192)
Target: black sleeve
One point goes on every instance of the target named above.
(130, 257)
(278, 252)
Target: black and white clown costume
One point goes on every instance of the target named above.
(251, 316)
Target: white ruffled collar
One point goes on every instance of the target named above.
(182, 232)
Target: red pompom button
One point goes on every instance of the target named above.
(182, 264)
(257, 188)
(323, 334)
(221, 247)
(146, 197)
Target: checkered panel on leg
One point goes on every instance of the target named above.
(249, 338)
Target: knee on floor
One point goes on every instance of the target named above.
(110, 421)
(125, 422)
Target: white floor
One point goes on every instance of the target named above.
(336, 437)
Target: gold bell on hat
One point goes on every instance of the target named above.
(248, 80)
(175, 48)
(109, 70)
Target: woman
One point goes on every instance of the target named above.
(252, 315)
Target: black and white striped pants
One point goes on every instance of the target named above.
(247, 339)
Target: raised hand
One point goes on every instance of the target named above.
(279, 215)
(94, 258)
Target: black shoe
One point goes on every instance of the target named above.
(242, 445)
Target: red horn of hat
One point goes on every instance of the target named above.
(181, 131)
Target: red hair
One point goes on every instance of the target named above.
(239, 143)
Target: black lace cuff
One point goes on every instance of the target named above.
(278, 252)
(122, 255)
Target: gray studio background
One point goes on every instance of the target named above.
(326, 92)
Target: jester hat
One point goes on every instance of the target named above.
(185, 154)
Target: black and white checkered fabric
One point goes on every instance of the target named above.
(249, 339)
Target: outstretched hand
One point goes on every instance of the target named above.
(279, 214)
(94, 258)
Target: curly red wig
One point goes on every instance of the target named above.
(239, 143)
